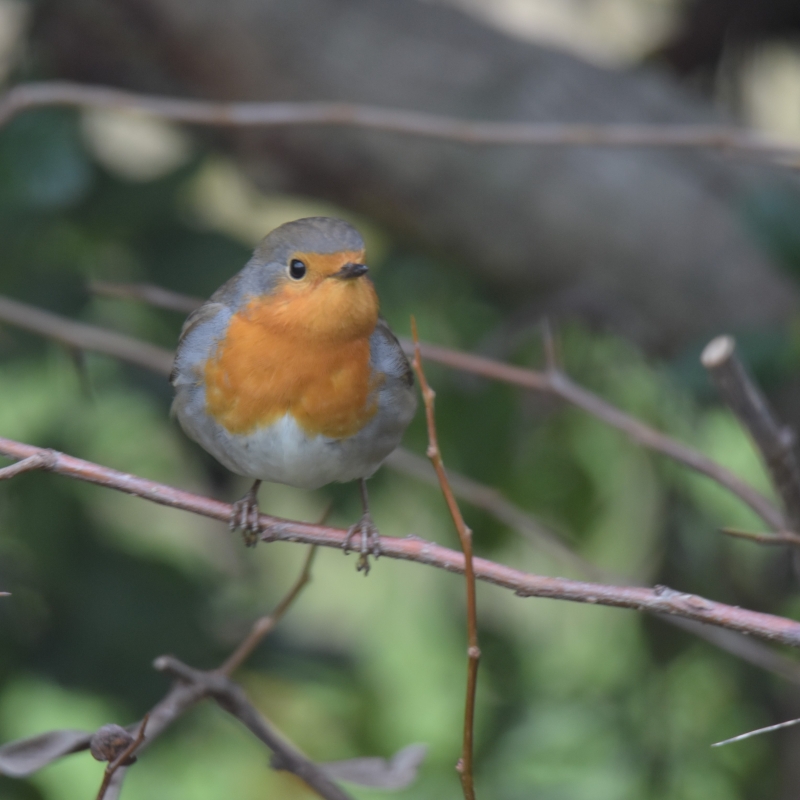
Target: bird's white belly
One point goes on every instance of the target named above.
(285, 453)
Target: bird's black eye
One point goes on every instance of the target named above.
(297, 269)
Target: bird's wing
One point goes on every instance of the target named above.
(388, 356)
(193, 348)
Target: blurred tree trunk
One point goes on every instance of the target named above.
(649, 242)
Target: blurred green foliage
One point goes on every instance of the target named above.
(574, 701)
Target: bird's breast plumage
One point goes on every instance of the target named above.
(263, 369)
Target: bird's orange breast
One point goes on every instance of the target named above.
(270, 363)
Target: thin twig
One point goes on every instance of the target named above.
(774, 441)
(758, 732)
(465, 535)
(415, 123)
(555, 383)
(122, 758)
(41, 460)
(660, 600)
(263, 626)
(779, 537)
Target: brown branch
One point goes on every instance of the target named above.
(41, 460)
(122, 758)
(465, 536)
(232, 699)
(659, 600)
(774, 441)
(555, 383)
(415, 123)
(85, 337)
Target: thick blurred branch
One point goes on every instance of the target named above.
(394, 120)
(85, 337)
(660, 600)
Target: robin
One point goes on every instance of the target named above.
(288, 373)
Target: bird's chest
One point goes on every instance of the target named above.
(257, 376)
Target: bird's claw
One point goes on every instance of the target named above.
(246, 517)
(370, 542)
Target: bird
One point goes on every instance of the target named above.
(289, 374)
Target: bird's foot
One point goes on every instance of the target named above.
(245, 517)
(370, 542)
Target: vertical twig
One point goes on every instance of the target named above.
(122, 758)
(465, 766)
(263, 626)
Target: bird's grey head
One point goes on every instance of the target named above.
(320, 235)
(304, 243)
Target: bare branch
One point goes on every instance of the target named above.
(232, 699)
(744, 398)
(41, 460)
(492, 501)
(85, 337)
(414, 123)
(659, 600)
(482, 496)
(465, 536)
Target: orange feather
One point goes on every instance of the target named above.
(303, 350)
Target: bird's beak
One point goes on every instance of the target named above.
(351, 270)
